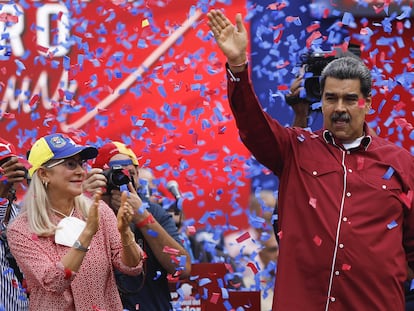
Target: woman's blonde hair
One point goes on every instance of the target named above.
(37, 207)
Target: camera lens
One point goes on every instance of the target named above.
(119, 178)
(313, 89)
(116, 177)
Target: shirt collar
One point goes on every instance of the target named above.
(365, 142)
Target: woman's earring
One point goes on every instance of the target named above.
(45, 183)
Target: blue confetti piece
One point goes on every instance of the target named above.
(210, 156)
(389, 173)
(123, 188)
(157, 275)
(11, 125)
(224, 292)
(227, 305)
(204, 281)
(218, 114)
(152, 233)
(392, 225)
(301, 138)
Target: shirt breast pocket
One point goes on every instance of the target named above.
(319, 169)
(321, 175)
(379, 182)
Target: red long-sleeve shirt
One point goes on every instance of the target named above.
(346, 217)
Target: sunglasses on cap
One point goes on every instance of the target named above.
(69, 163)
(125, 162)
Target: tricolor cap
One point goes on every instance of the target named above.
(107, 151)
(57, 146)
(7, 150)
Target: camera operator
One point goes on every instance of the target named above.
(12, 294)
(305, 88)
(153, 228)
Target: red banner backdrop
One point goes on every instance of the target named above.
(147, 73)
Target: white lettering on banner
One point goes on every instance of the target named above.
(11, 32)
(22, 100)
(63, 28)
(187, 308)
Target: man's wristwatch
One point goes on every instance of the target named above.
(79, 246)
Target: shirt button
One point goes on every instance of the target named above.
(341, 245)
(336, 272)
(350, 170)
(348, 194)
(345, 219)
(314, 173)
(333, 299)
(348, 152)
(384, 186)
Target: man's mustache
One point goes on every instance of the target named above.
(340, 116)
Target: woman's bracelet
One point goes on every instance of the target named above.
(146, 221)
(131, 239)
(130, 242)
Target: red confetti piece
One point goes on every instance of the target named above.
(313, 27)
(317, 240)
(253, 267)
(283, 87)
(407, 198)
(243, 237)
(360, 163)
(170, 250)
(68, 274)
(285, 64)
(7, 115)
(326, 13)
(214, 298)
(279, 36)
(191, 230)
(280, 234)
(42, 49)
(291, 19)
(312, 37)
(312, 202)
(276, 6)
(403, 123)
(34, 100)
(346, 267)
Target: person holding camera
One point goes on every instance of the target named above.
(346, 208)
(13, 295)
(67, 245)
(305, 88)
(153, 227)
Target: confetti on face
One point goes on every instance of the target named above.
(243, 237)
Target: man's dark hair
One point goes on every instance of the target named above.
(348, 68)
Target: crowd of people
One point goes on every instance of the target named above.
(92, 231)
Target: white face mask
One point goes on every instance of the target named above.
(68, 231)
